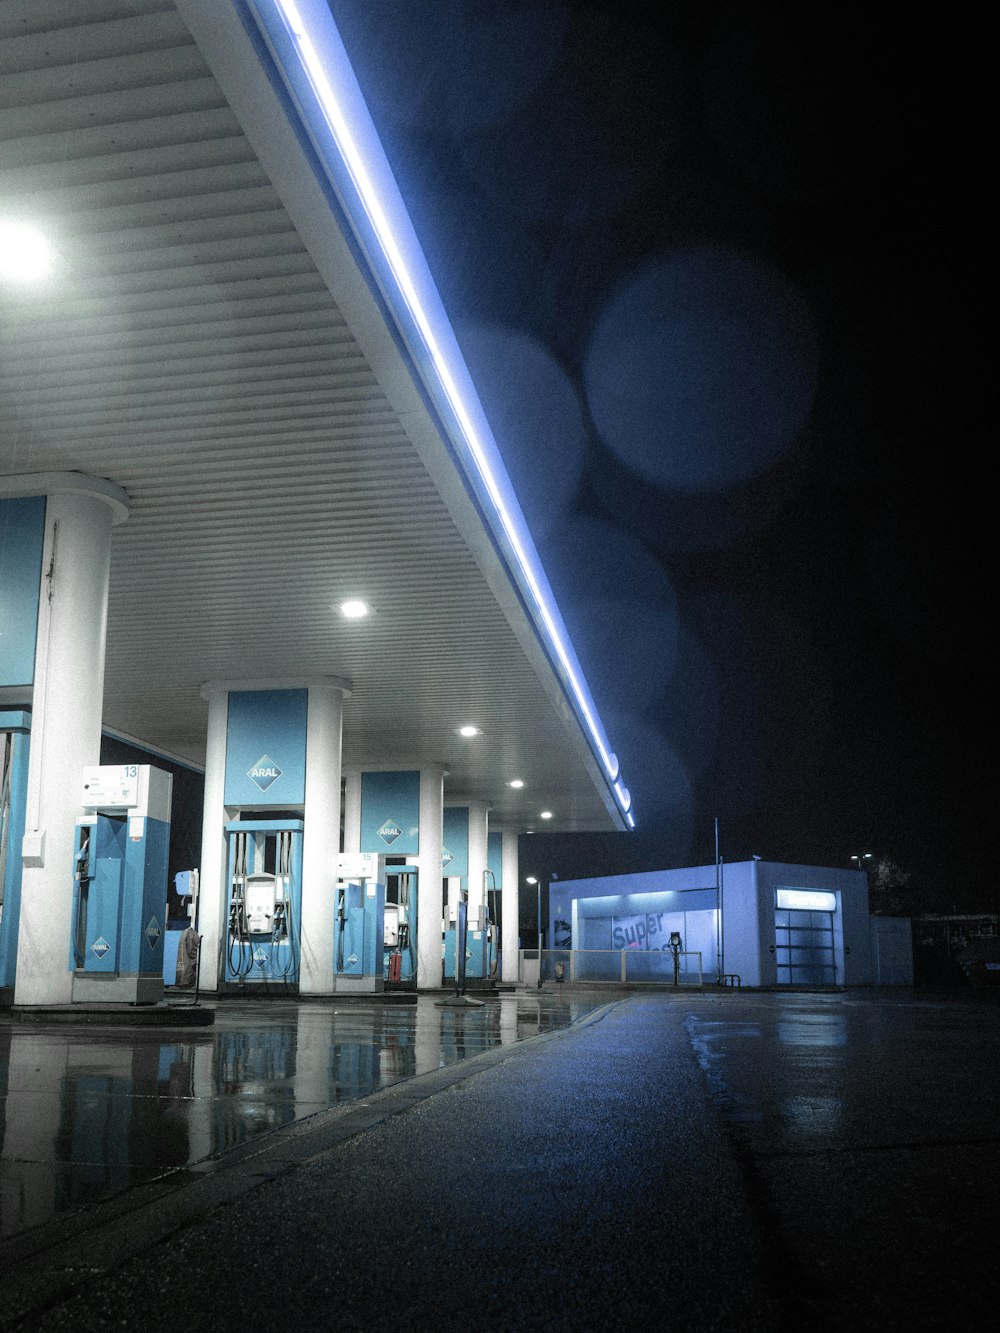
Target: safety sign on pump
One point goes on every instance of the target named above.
(263, 772)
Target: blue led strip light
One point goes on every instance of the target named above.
(337, 100)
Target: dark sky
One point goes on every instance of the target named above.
(702, 261)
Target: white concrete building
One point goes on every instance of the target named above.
(753, 923)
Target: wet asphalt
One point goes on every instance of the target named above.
(714, 1160)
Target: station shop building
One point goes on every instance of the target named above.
(751, 923)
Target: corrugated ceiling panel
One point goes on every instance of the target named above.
(189, 351)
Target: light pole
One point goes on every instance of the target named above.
(861, 859)
(531, 879)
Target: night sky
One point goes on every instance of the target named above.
(702, 260)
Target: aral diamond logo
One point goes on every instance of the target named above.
(446, 856)
(152, 932)
(100, 946)
(390, 831)
(264, 772)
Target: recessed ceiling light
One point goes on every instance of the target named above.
(469, 730)
(518, 783)
(545, 814)
(531, 880)
(25, 254)
(354, 609)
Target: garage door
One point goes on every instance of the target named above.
(804, 949)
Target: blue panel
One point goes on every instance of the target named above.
(358, 931)
(171, 941)
(455, 842)
(144, 898)
(450, 942)
(494, 858)
(263, 957)
(478, 955)
(390, 813)
(120, 908)
(22, 532)
(266, 748)
(100, 898)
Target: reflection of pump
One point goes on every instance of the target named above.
(265, 888)
(120, 884)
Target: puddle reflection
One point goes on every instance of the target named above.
(86, 1113)
(815, 1029)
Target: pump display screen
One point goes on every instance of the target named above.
(260, 897)
(111, 786)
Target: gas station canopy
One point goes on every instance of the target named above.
(238, 329)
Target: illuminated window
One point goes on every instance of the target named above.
(806, 900)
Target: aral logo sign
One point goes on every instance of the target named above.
(264, 772)
(389, 832)
(446, 857)
(152, 932)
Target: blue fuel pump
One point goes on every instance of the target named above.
(120, 884)
(265, 897)
(480, 939)
(399, 954)
(15, 728)
(480, 952)
(359, 923)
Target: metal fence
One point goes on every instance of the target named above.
(617, 966)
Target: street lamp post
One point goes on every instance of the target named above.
(531, 879)
(861, 859)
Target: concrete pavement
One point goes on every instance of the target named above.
(723, 1161)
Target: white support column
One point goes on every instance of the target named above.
(212, 888)
(429, 896)
(32, 1124)
(510, 904)
(67, 701)
(320, 847)
(478, 834)
(313, 1042)
(352, 810)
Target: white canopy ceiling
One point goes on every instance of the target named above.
(213, 342)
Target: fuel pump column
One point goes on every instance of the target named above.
(120, 884)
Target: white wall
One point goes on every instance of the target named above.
(741, 925)
(892, 951)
